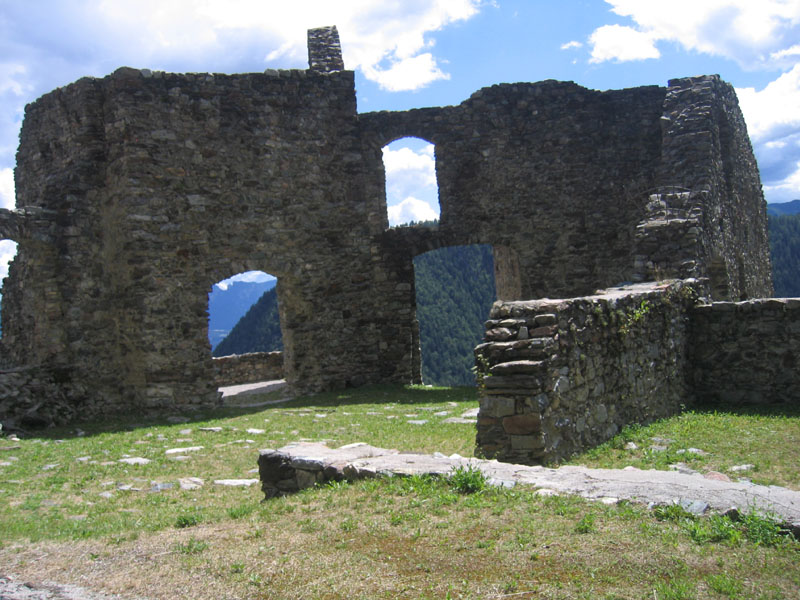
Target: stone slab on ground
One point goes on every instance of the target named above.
(302, 464)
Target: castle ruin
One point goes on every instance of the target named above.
(138, 191)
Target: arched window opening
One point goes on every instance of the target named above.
(412, 195)
(455, 288)
(8, 250)
(243, 315)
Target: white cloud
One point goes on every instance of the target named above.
(411, 209)
(785, 190)
(50, 43)
(247, 276)
(615, 42)
(411, 190)
(8, 250)
(773, 122)
(570, 45)
(13, 79)
(387, 40)
(420, 164)
(753, 33)
(7, 188)
(786, 53)
(407, 74)
(775, 110)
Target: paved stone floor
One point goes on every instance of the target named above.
(313, 461)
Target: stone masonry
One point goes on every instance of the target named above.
(248, 368)
(557, 376)
(138, 191)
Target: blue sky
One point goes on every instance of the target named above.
(415, 53)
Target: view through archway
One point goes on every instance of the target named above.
(243, 315)
(455, 289)
(8, 250)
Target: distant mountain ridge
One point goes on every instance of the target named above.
(784, 243)
(227, 306)
(259, 330)
(784, 208)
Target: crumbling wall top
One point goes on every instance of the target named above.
(324, 50)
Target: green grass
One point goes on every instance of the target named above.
(766, 438)
(66, 501)
(112, 527)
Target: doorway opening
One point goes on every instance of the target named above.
(455, 288)
(8, 250)
(412, 194)
(243, 315)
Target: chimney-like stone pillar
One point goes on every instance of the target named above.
(324, 50)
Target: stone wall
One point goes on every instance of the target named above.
(248, 368)
(36, 397)
(138, 191)
(746, 352)
(707, 215)
(564, 375)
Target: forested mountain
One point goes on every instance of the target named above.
(784, 208)
(227, 305)
(455, 290)
(784, 241)
(258, 330)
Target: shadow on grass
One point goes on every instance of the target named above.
(748, 410)
(374, 394)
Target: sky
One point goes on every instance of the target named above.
(416, 53)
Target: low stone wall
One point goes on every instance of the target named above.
(248, 368)
(33, 397)
(746, 352)
(564, 375)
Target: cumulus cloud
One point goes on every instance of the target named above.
(388, 41)
(410, 181)
(411, 209)
(407, 74)
(404, 160)
(247, 276)
(571, 45)
(773, 122)
(754, 34)
(787, 188)
(773, 112)
(50, 43)
(8, 250)
(7, 188)
(615, 42)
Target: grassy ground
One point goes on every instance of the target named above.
(70, 512)
(767, 439)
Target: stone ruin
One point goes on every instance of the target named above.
(138, 191)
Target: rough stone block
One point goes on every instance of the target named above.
(497, 407)
(526, 442)
(522, 424)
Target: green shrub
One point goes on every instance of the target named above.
(467, 480)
